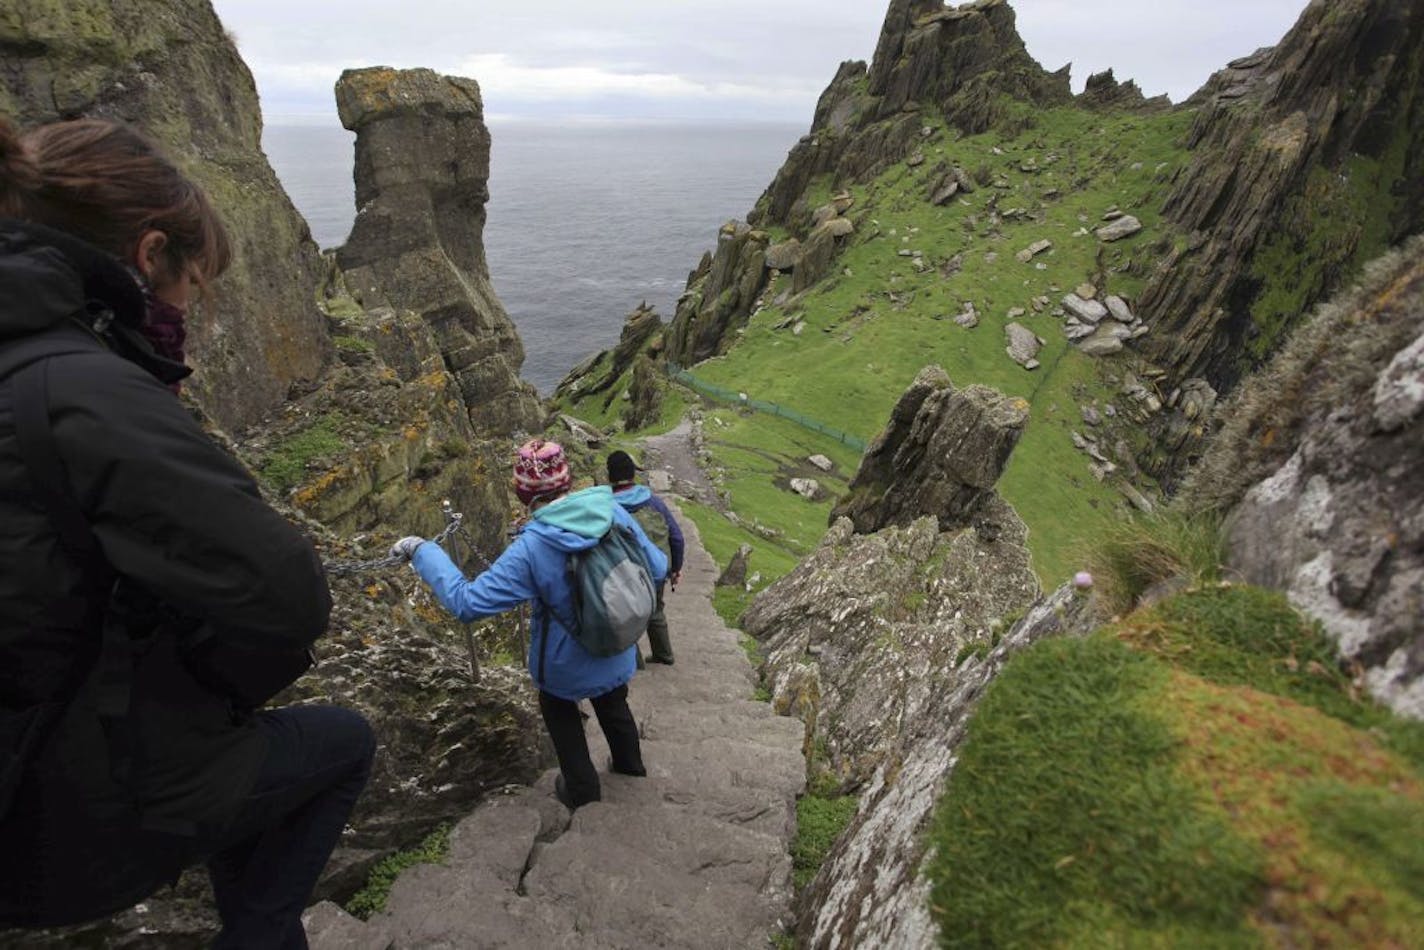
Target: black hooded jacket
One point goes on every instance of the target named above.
(108, 809)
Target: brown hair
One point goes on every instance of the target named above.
(103, 181)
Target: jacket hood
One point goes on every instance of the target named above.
(633, 498)
(48, 276)
(576, 521)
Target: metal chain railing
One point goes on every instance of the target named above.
(454, 524)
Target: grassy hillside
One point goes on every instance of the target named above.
(1200, 775)
(871, 326)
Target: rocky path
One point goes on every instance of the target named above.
(675, 454)
(694, 855)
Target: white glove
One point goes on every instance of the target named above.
(405, 547)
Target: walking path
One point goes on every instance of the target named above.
(695, 855)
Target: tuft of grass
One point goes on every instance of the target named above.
(1066, 820)
(371, 899)
(819, 822)
(1130, 556)
(286, 465)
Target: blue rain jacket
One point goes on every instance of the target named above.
(532, 569)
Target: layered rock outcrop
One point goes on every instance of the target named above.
(596, 378)
(940, 455)
(168, 67)
(961, 62)
(422, 172)
(881, 640)
(1309, 160)
(1319, 469)
(721, 294)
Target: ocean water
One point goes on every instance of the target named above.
(586, 221)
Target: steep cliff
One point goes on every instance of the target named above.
(1308, 160)
(422, 172)
(962, 66)
(168, 67)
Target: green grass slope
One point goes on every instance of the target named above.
(872, 325)
(1201, 775)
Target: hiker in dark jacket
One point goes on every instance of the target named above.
(653, 516)
(532, 568)
(148, 596)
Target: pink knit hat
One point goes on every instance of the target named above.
(540, 470)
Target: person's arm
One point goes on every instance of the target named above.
(675, 543)
(507, 584)
(175, 513)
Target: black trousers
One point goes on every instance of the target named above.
(565, 724)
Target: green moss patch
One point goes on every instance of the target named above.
(371, 899)
(286, 464)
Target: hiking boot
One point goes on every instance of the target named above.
(666, 661)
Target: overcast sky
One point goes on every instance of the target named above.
(744, 59)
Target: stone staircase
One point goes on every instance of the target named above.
(695, 855)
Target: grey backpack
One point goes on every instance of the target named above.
(614, 595)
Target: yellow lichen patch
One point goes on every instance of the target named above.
(311, 493)
(1280, 772)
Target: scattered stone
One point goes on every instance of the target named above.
(843, 202)
(799, 328)
(1118, 308)
(1088, 310)
(807, 488)
(903, 252)
(966, 182)
(821, 462)
(915, 160)
(1023, 344)
(1112, 214)
(735, 574)
(944, 190)
(1078, 331)
(1050, 194)
(1101, 346)
(1091, 416)
(968, 319)
(1016, 312)
(1032, 364)
(1126, 226)
(1086, 291)
(837, 227)
(1033, 250)
(1138, 500)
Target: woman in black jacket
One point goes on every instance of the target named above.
(149, 598)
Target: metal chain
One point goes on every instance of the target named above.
(454, 524)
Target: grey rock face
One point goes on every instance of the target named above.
(1331, 509)
(940, 455)
(418, 240)
(1089, 311)
(874, 650)
(723, 289)
(168, 67)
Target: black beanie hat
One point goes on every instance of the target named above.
(621, 467)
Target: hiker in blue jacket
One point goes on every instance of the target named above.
(660, 526)
(532, 568)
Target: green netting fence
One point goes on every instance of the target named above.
(761, 405)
